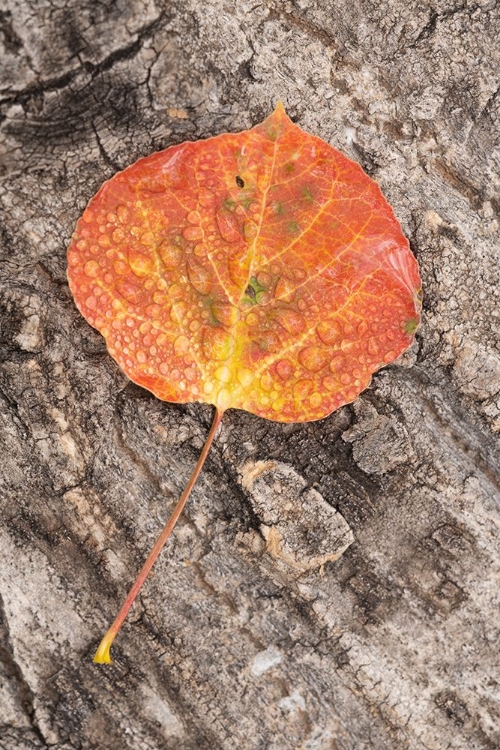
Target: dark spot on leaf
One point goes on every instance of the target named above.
(239, 181)
(250, 291)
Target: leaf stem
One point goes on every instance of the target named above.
(102, 655)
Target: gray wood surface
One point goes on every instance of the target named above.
(395, 644)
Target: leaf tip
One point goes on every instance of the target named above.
(280, 111)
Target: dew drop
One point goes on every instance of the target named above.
(249, 230)
(265, 279)
(329, 383)
(118, 235)
(200, 278)
(292, 321)
(176, 292)
(337, 364)
(160, 298)
(140, 264)
(244, 377)
(227, 315)
(193, 217)
(141, 356)
(192, 233)
(148, 239)
(285, 289)
(223, 374)
(315, 399)
(284, 368)
(228, 225)
(92, 269)
(266, 382)
(252, 319)
(329, 332)
(278, 404)
(129, 290)
(206, 197)
(120, 267)
(302, 389)
(313, 358)
(170, 254)
(181, 345)
(217, 343)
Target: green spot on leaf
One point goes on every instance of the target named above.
(253, 292)
(411, 326)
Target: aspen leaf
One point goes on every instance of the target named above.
(261, 270)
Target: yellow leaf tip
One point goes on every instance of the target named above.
(102, 655)
(280, 109)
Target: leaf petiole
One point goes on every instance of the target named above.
(102, 655)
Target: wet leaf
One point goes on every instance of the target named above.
(260, 270)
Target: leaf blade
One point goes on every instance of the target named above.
(262, 270)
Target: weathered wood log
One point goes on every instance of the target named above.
(244, 637)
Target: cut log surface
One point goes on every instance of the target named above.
(331, 585)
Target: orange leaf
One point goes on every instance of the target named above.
(261, 271)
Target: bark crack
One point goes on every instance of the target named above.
(104, 154)
(93, 69)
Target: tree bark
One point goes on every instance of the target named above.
(382, 630)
